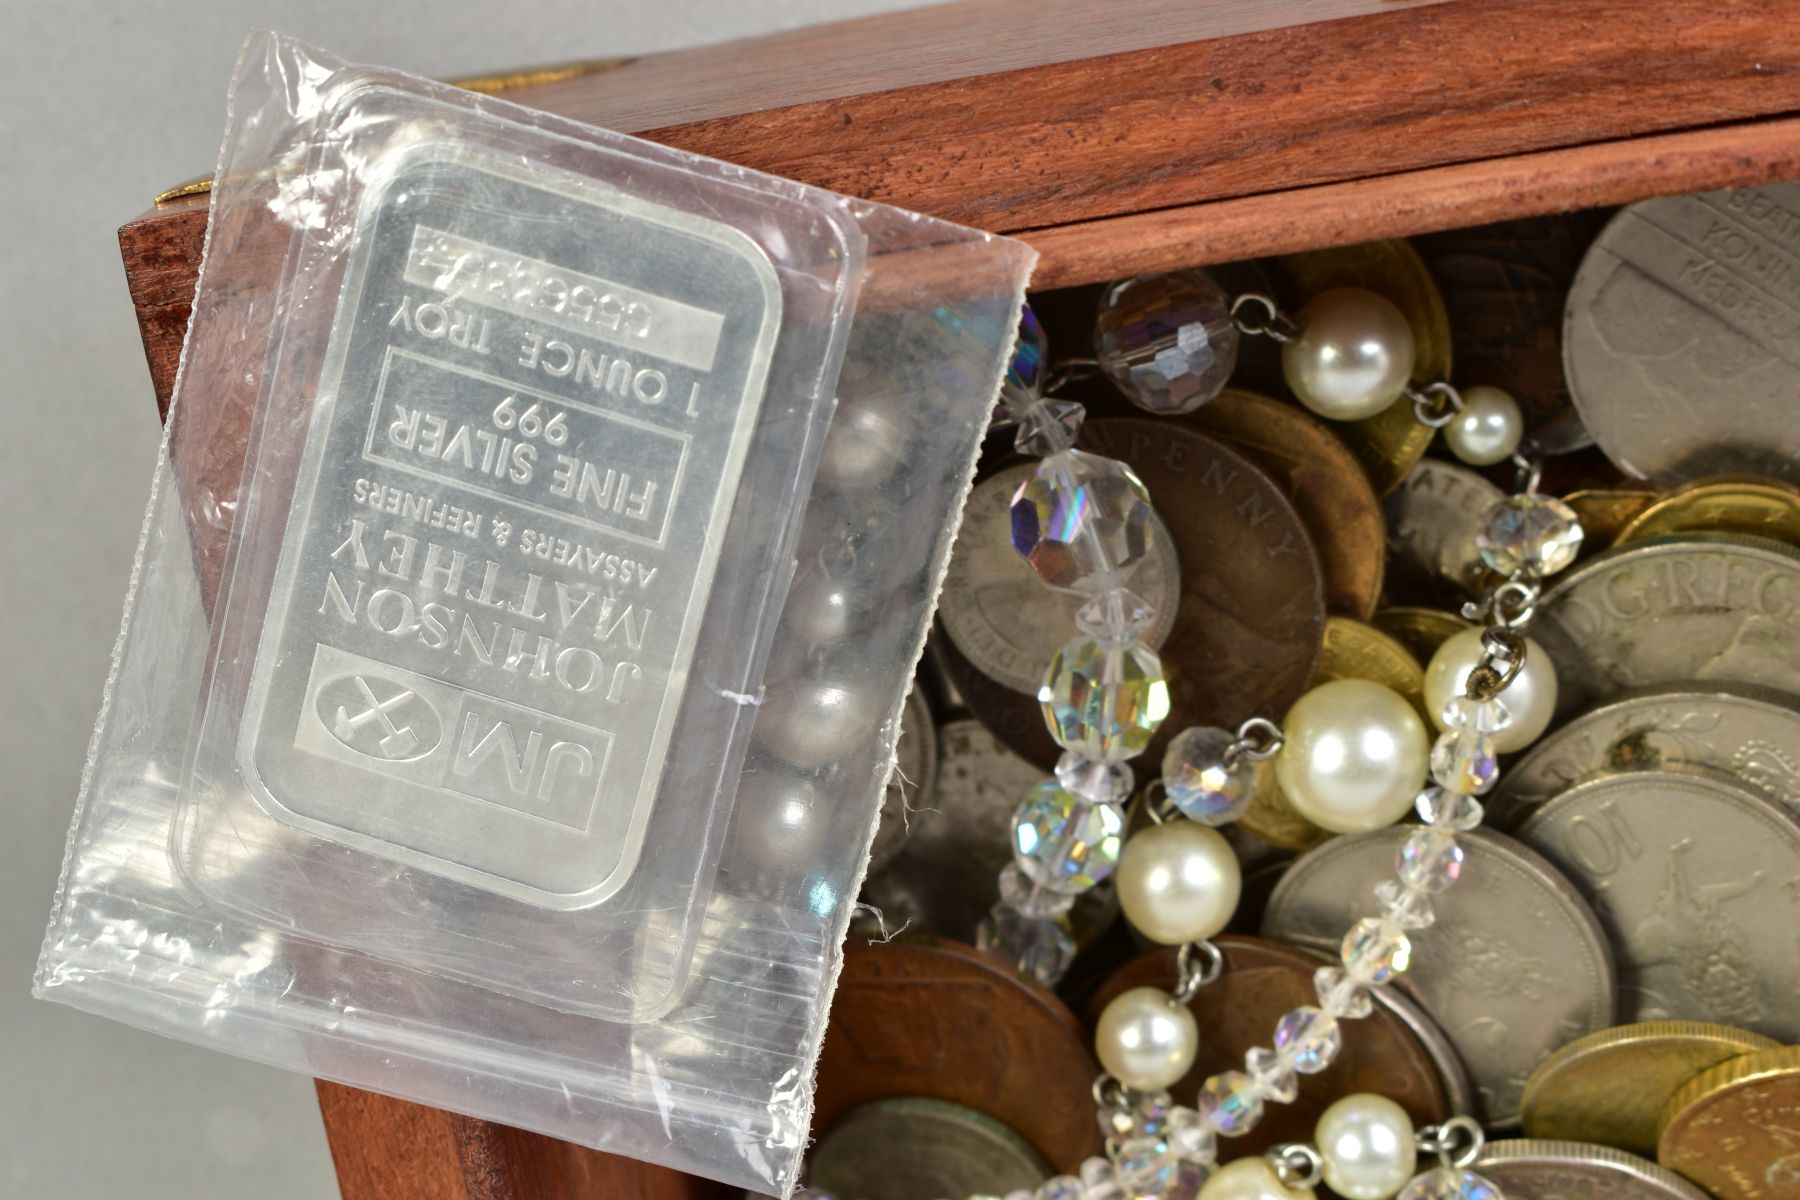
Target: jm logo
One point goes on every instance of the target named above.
(379, 718)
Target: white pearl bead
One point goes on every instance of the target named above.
(821, 609)
(1147, 1039)
(1353, 357)
(776, 817)
(810, 722)
(1178, 882)
(1488, 428)
(1530, 697)
(1250, 1179)
(1366, 1142)
(1354, 756)
(863, 446)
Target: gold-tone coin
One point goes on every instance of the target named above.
(1605, 512)
(1759, 507)
(1420, 630)
(1271, 818)
(1391, 442)
(1735, 1129)
(1610, 1087)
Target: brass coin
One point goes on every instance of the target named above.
(1605, 512)
(1761, 508)
(1735, 1129)
(917, 1148)
(1420, 630)
(1610, 1087)
(1354, 650)
(1325, 482)
(1390, 443)
(1271, 818)
(1252, 611)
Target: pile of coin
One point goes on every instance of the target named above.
(1618, 976)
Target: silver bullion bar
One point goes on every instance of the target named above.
(533, 415)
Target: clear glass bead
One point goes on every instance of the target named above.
(1309, 1039)
(1466, 761)
(1048, 427)
(1448, 811)
(1040, 950)
(1340, 995)
(1032, 899)
(1451, 1183)
(1191, 1137)
(1273, 1076)
(1095, 782)
(1101, 1180)
(1539, 535)
(1104, 702)
(1167, 341)
(1482, 716)
(1060, 1187)
(1375, 950)
(1146, 1166)
(1199, 783)
(1117, 617)
(1404, 907)
(1024, 380)
(1230, 1103)
(1429, 860)
(1063, 842)
(1135, 1114)
(1083, 522)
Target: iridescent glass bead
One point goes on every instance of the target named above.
(1429, 860)
(1448, 811)
(1231, 1103)
(1025, 370)
(1095, 782)
(1146, 1166)
(1190, 1135)
(1115, 617)
(1309, 1038)
(1451, 1183)
(1539, 535)
(1064, 843)
(1340, 995)
(1200, 783)
(1104, 702)
(1167, 341)
(1030, 898)
(1273, 1075)
(1101, 1179)
(1040, 950)
(1465, 760)
(1060, 1187)
(1405, 907)
(1375, 950)
(1083, 522)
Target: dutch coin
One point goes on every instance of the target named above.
(1264, 979)
(1682, 334)
(1732, 1129)
(1252, 610)
(1610, 1087)
(1758, 508)
(1702, 609)
(1420, 630)
(1693, 876)
(1391, 442)
(1540, 1169)
(1751, 733)
(912, 788)
(1353, 650)
(1605, 512)
(1432, 520)
(1324, 480)
(999, 613)
(1515, 965)
(914, 1148)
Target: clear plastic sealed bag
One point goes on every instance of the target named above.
(545, 532)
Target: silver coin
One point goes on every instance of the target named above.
(1000, 615)
(1704, 609)
(917, 1148)
(1515, 965)
(1697, 881)
(1432, 520)
(1750, 733)
(535, 411)
(912, 787)
(1681, 336)
(1540, 1169)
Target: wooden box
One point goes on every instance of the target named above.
(1120, 138)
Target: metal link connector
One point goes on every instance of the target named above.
(1296, 1164)
(1065, 371)
(1457, 1143)
(1257, 740)
(1435, 405)
(1192, 975)
(1259, 316)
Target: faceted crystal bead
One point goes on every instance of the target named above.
(1048, 427)
(1199, 783)
(1191, 1137)
(1025, 370)
(1451, 1183)
(1482, 716)
(1101, 1180)
(1104, 702)
(1375, 950)
(1146, 1166)
(1230, 1103)
(1083, 522)
(1032, 899)
(1539, 535)
(1466, 761)
(1429, 860)
(1340, 995)
(1309, 1039)
(1448, 811)
(1404, 907)
(1040, 950)
(1190, 1177)
(1135, 1114)
(1060, 1187)
(1064, 843)
(1272, 1074)
(1115, 617)
(1167, 341)
(1095, 782)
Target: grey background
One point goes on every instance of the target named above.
(102, 105)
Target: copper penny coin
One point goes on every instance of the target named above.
(1252, 614)
(1262, 980)
(945, 1021)
(1326, 483)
